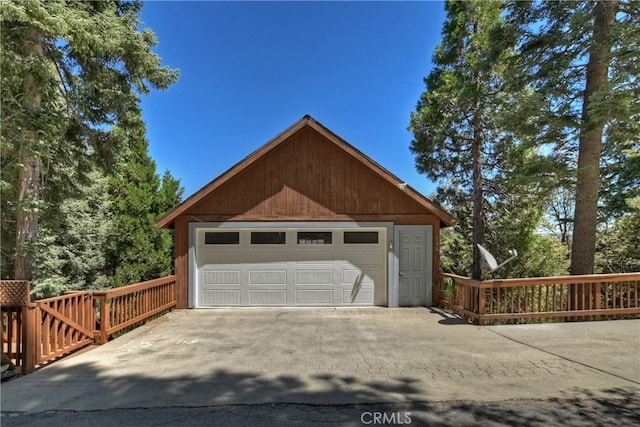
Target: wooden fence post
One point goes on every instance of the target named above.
(145, 299)
(482, 303)
(435, 290)
(597, 298)
(104, 319)
(30, 316)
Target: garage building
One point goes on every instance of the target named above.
(306, 220)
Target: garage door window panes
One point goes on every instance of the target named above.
(222, 238)
(315, 237)
(268, 238)
(361, 237)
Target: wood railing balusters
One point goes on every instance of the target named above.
(563, 297)
(36, 333)
(133, 304)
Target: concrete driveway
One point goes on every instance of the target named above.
(198, 358)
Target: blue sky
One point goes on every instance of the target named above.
(251, 69)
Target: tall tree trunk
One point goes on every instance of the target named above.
(588, 174)
(590, 149)
(27, 218)
(30, 169)
(477, 196)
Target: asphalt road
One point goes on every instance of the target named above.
(620, 409)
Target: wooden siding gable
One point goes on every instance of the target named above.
(306, 172)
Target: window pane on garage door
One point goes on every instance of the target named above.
(222, 238)
(315, 237)
(268, 238)
(356, 237)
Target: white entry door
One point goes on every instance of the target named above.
(414, 265)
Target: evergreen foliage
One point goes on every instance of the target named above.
(619, 244)
(71, 247)
(490, 177)
(73, 147)
(136, 249)
(515, 227)
(581, 59)
(534, 107)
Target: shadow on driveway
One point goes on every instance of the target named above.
(306, 367)
(196, 400)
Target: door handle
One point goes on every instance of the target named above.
(401, 274)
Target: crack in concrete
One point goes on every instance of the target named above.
(563, 358)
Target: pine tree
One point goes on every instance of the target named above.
(136, 249)
(70, 248)
(459, 134)
(581, 58)
(70, 71)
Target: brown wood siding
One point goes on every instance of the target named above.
(181, 263)
(306, 177)
(412, 219)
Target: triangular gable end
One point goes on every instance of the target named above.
(258, 157)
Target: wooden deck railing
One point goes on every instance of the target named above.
(15, 312)
(121, 308)
(64, 324)
(590, 297)
(14, 338)
(36, 333)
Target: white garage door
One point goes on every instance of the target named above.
(291, 267)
